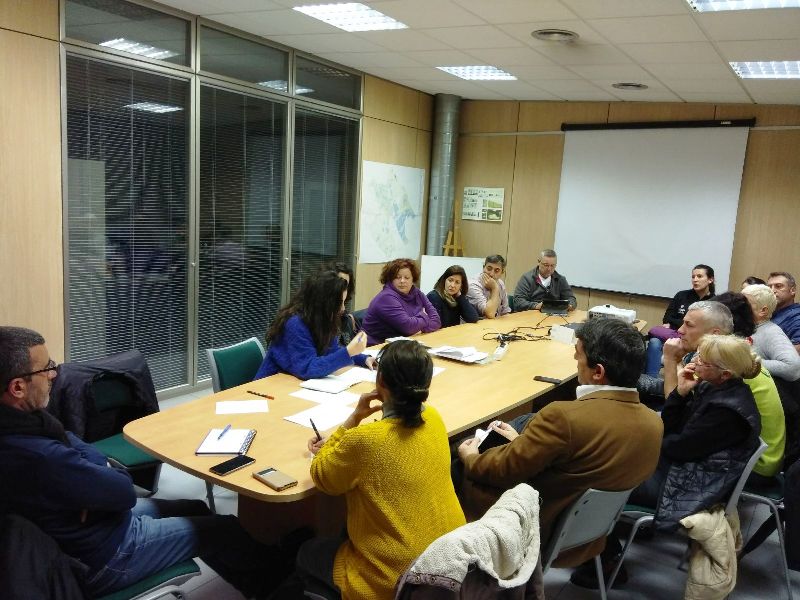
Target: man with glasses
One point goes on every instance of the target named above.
(487, 291)
(67, 488)
(543, 283)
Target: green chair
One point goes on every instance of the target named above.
(236, 364)
(232, 366)
(115, 406)
(159, 585)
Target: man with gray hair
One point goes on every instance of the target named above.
(703, 317)
(787, 312)
(543, 283)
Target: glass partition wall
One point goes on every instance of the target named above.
(202, 182)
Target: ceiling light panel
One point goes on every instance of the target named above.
(153, 107)
(778, 69)
(479, 72)
(722, 5)
(351, 16)
(138, 48)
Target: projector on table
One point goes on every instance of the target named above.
(609, 311)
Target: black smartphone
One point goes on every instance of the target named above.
(231, 465)
(552, 380)
(491, 440)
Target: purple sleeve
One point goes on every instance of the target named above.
(392, 313)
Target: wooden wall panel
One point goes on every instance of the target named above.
(35, 17)
(478, 116)
(31, 256)
(765, 115)
(548, 116)
(768, 220)
(485, 162)
(391, 102)
(425, 116)
(396, 129)
(632, 112)
(534, 201)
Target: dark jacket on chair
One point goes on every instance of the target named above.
(695, 485)
(72, 399)
(33, 567)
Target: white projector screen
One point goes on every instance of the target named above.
(638, 208)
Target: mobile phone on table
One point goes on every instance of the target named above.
(231, 465)
(275, 479)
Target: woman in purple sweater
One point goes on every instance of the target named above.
(400, 308)
(304, 337)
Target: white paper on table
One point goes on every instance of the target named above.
(330, 384)
(240, 407)
(325, 416)
(324, 397)
(437, 370)
(373, 352)
(357, 375)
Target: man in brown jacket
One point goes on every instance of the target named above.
(605, 439)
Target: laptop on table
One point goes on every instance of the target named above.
(551, 306)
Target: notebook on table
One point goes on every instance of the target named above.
(235, 441)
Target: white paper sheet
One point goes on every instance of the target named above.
(325, 416)
(330, 384)
(357, 375)
(240, 407)
(323, 397)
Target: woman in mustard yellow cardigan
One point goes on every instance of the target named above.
(395, 475)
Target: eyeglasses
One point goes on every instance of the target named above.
(51, 366)
(701, 363)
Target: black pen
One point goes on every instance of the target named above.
(319, 437)
(267, 396)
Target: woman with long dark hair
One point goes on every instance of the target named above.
(449, 298)
(395, 475)
(304, 337)
(702, 289)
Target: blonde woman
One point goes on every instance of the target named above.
(769, 341)
(711, 428)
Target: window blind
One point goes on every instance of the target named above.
(242, 141)
(127, 206)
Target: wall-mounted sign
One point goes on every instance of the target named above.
(483, 204)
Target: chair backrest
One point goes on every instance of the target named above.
(114, 407)
(590, 517)
(236, 364)
(748, 468)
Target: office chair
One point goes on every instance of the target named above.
(163, 584)
(640, 515)
(231, 366)
(592, 516)
(115, 407)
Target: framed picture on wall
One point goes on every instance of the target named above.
(482, 204)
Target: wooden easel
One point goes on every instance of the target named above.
(453, 246)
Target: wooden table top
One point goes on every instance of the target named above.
(466, 395)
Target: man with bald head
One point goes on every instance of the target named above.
(543, 283)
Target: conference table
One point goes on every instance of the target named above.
(466, 395)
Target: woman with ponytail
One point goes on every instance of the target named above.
(395, 474)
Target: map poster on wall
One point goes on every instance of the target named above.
(483, 204)
(391, 212)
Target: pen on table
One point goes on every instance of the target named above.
(224, 431)
(267, 396)
(319, 437)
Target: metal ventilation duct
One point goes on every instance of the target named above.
(443, 171)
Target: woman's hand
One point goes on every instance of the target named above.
(363, 409)
(315, 444)
(686, 379)
(371, 363)
(358, 344)
(504, 429)
(468, 447)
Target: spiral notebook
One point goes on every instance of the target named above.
(235, 441)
